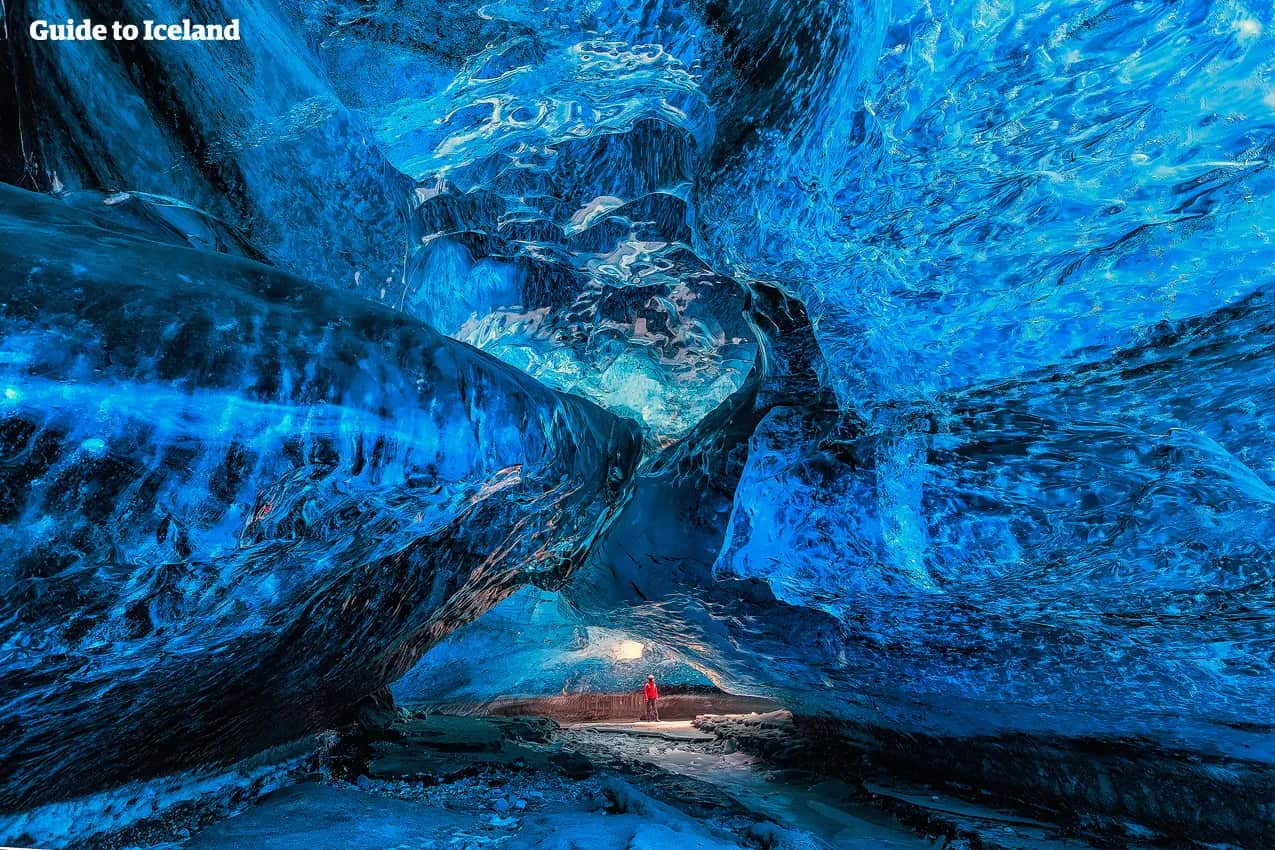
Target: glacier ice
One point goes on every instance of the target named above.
(251, 132)
(988, 189)
(905, 361)
(553, 224)
(233, 500)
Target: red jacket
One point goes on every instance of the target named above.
(651, 691)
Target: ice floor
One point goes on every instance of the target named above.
(458, 783)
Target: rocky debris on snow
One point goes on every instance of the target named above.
(772, 735)
(437, 747)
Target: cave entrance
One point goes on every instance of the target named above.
(531, 655)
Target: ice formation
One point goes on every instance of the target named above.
(904, 361)
(233, 501)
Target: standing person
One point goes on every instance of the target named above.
(652, 694)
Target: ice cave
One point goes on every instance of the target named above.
(635, 424)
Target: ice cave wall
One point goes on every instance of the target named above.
(235, 504)
(250, 132)
(944, 327)
(1039, 308)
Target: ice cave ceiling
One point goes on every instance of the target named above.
(906, 361)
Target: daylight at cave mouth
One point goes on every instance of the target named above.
(616, 425)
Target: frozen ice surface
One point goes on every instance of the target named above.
(907, 362)
(235, 502)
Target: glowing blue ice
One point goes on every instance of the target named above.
(945, 327)
(233, 502)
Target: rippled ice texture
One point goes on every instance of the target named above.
(1013, 186)
(945, 328)
(1032, 241)
(234, 503)
(1035, 242)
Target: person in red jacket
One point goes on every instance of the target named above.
(652, 694)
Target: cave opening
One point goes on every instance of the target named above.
(532, 655)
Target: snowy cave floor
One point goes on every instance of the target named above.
(440, 781)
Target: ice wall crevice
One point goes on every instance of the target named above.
(1053, 554)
